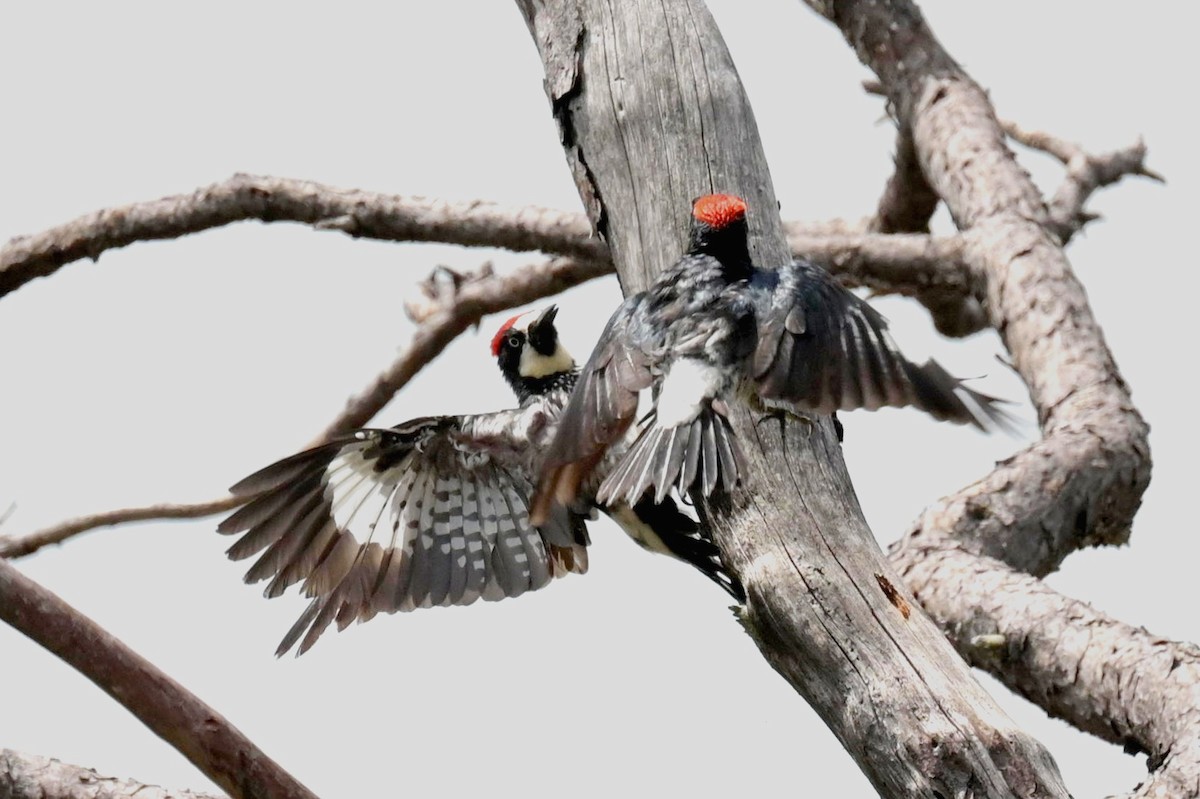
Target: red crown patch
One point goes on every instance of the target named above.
(498, 339)
(719, 210)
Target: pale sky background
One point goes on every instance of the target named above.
(169, 370)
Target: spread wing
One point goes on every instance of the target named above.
(824, 349)
(418, 515)
(601, 409)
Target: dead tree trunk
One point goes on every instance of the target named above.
(652, 113)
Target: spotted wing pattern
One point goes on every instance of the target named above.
(432, 512)
(824, 349)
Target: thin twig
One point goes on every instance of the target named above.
(200, 733)
(16, 547)
(474, 298)
(1086, 172)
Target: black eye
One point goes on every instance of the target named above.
(514, 341)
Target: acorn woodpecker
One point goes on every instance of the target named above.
(715, 327)
(434, 511)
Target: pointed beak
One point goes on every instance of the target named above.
(542, 335)
(545, 318)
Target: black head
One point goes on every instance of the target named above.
(719, 229)
(529, 354)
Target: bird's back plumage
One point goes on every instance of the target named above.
(686, 314)
(715, 327)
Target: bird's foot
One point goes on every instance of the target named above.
(783, 415)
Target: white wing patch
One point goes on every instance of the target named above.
(443, 522)
(359, 495)
(684, 389)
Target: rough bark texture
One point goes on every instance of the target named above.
(200, 734)
(33, 777)
(1111, 679)
(1082, 483)
(652, 114)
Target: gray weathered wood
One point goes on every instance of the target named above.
(652, 114)
(33, 777)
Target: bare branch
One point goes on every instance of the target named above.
(1086, 172)
(357, 213)
(1113, 680)
(908, 202)
(377, 216)
(202, 735)
(1083, 482)
(16, 547)
(33, 777)
(442, 320)
(907, 205)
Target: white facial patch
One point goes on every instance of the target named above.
(533, 364)
(684, 389)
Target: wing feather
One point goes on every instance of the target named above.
(824, 349)
(418, 515)
(601, 409)
(422, 537)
